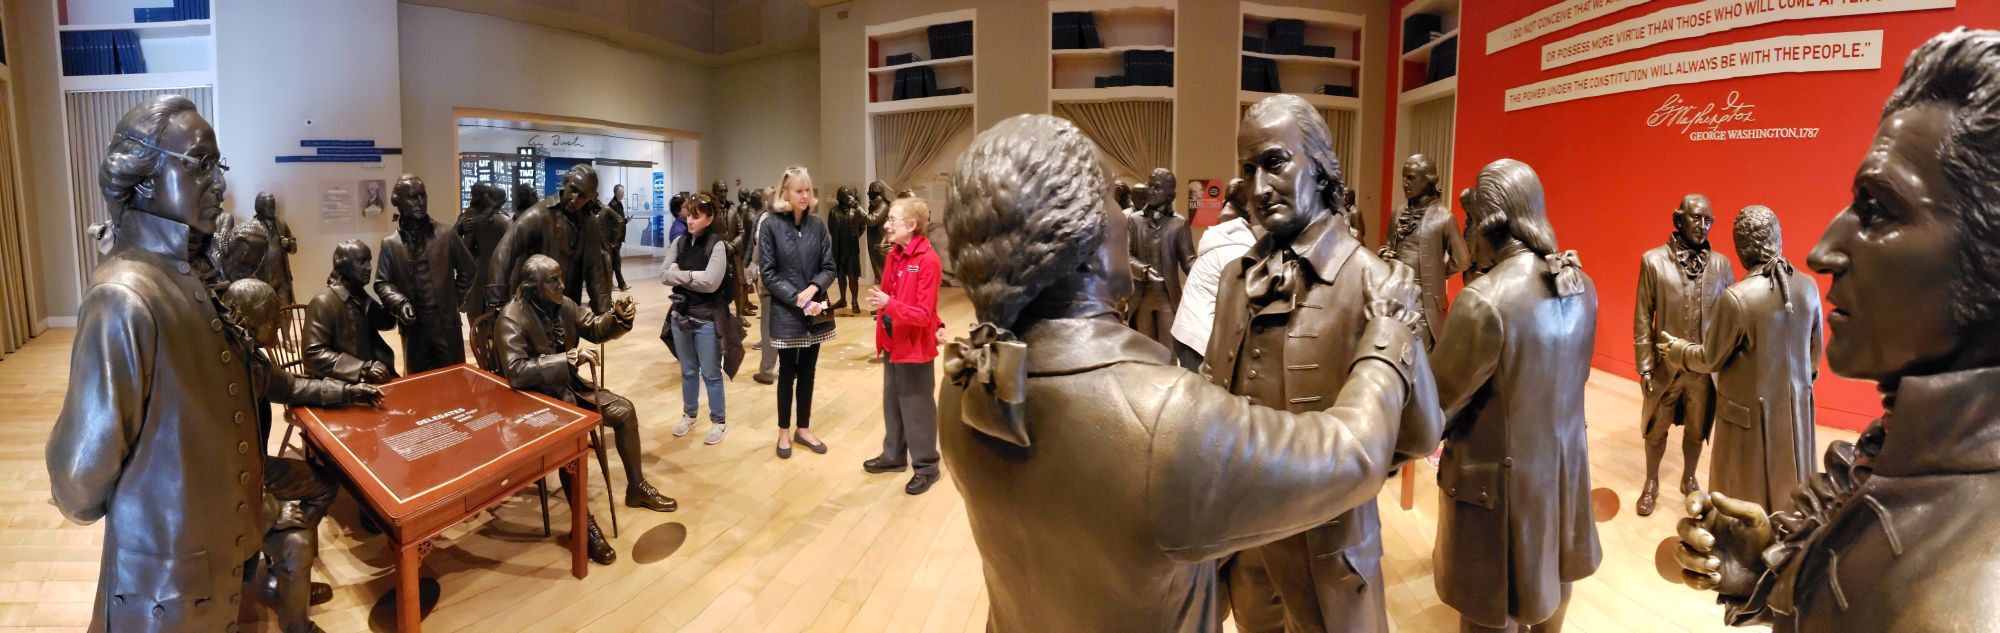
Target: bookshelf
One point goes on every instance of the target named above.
(1104, 50)
(909, 51)
(1424, 101)
(1313, 53)
(176, 53)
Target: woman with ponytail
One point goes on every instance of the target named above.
(1763, 348)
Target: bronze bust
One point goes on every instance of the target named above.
(423, 274)
(1096, 513)
(1514, 513)
(1288, 316)
(1679, 283)
(1426, 237)
(1897, 533)
(1163, 246)
(1763, 348)
(156, 431)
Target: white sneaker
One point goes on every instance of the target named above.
(686, 424)
(715, 432)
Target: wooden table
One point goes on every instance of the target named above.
(446, 445)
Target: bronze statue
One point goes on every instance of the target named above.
(1102, 483)
(1514, 510)
(1288, 316)
(1679, 283)
(1164, 246)
(536, 340)
(480, 228)
(340, 339)
(844, 221)
(613, 217)
(873, 217)
(1763, 348)
(1426, 237)
(239, 252)
(303, 491)
(155, 435)
(560, 228)
(1121, 193)
(422, 275)
(1357, 226)
(273, 265)
(277, 270)
(1897, 534)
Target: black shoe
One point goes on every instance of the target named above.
(878, 466)
(644, 496)
(321, 593)
(600, 549)
(765, 379)
(817, 447)
(919, 483)
(624, 288)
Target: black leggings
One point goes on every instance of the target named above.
(796, 366)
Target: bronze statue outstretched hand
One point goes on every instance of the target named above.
(364, 395)
(1722, 544)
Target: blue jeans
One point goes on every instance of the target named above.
(701, 347)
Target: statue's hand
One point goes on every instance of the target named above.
(1722, 544)
(365, 395)
(375, 373)
(1666, 344)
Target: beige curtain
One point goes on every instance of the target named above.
(1132, 136)
(907, 141)
(1346, 140)
(1431, 135)
(17, 284)
(92, 117)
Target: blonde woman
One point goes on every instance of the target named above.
(795, 259)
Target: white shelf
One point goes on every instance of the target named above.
(1349, 21)
(1444, 7)
(1122, 93)
(1433, 90)
(182, 28)
(1333, 102)
(1110, 6)
(948, 61)
(925, 103)
(1308, 59)
(916, 25)
(141, 81)
(1105, 52)
(1422, 54)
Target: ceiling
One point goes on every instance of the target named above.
(708, 32)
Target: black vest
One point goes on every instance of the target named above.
(693, 257)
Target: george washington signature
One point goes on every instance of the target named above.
(1712, 116)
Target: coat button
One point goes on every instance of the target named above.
(233, 599)
(242, 448)
(215, 324)
(1253, 374)
(181, 266)
(1451, 492)
(1483, 497)
(240, 507)
(225, 356)
(237, 571)
(240, 539)
(243, 478)
(1336, 523)
(237, 417)
(233, 627)
(235, 389)
(1257, 353)
(1508, 462)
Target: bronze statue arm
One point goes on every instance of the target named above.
(386, 282)
(1227, 475)
(105, 409)
(1642, 324)
(1467, 353)
(1725, 334)
(1184, 248)
(1457, 258)
(525, 370)
(601, 326)
(283, 387)
(463, 268)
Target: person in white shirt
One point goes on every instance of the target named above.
(1225, 242)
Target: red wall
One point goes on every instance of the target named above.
(1612, 182)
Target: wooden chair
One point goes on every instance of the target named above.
(289, 355)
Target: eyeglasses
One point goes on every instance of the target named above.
(205, 165)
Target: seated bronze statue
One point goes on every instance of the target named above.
(342, 339)
(536, 338)
(1897, 532)
(1102, 482)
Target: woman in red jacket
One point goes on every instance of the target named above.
(907, 327)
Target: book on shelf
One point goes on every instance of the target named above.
(1444, 60)
(1417, 30)
(1285, 36)
(950, 40)
(1074, 29)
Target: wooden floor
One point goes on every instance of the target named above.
(759, 544)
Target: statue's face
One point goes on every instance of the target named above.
(1284, 184)
(1160, 192)
(411, 200)
(719, 190)
(1893, 253)
(549, 285)
(246, 256)
(1693, 219)
(267, 205)
(847, 198)
(877, 192)
(354, 265)
(189, 190)
(1419, 178)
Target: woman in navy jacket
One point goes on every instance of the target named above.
(795, 258)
